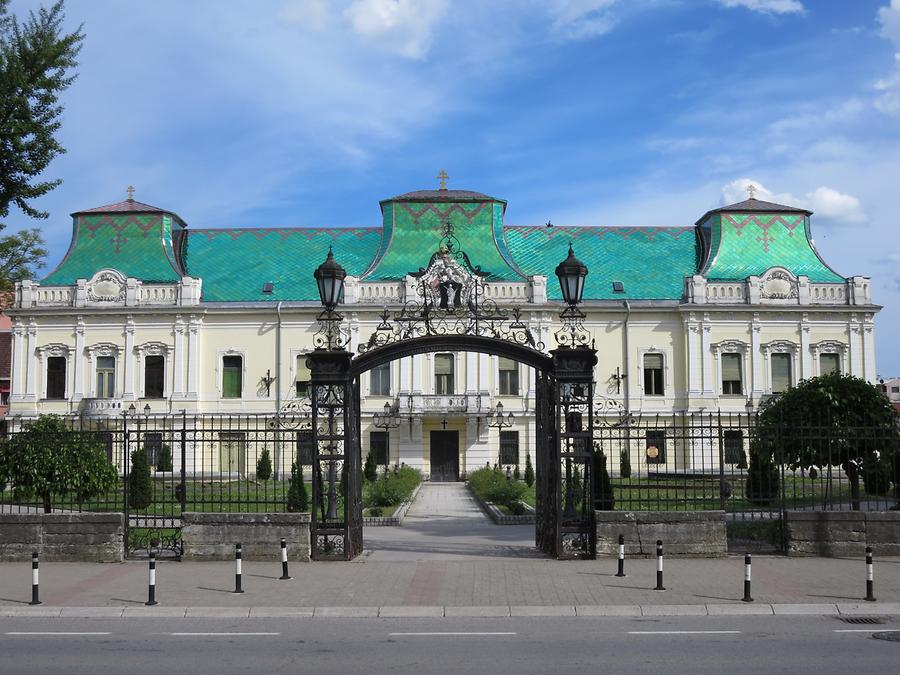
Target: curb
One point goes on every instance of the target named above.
(437, 611)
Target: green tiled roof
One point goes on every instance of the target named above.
(745, 244)
(136, 244)
(413, 229)
(651, 262)
(234, 264)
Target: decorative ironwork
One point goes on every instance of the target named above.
(498, 420)
(332, 335)
(572, 333)
(610, 412)
(389, 419)
(295, 414)
(155, 540)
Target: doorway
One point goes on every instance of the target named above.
(444, 456)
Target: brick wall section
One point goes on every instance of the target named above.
(212, 536)
(63, 537)
(842, 533)
(691, 533)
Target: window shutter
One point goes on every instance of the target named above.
(731, 367)
(781, 372)
(653, 361)
(443, 364)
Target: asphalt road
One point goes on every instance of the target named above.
(694, 645)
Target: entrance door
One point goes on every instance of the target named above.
(444, 456)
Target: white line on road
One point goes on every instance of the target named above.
(867, 630)
(221, 634)
(445, 633)
(50, 632)
(683, 632)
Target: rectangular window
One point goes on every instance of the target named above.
(509, 448)
(106, 376)
(233, 452)
(829, 363)
(443, 374)
(380, 380)
(304, 447)
(302, 377)
(733, 446)
(378, 441)
(509, 377)
(154, 376)
(153, 447)
(653, 375)
(732, 381)
(656, 446)
(781, 372)
(105, 440)
(56, 377)
(232, 376)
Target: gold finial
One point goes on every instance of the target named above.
(751, 190)
(443, 176)
(130, 192)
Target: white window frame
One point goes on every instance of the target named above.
(519, 379)
(55, 350)
(220, 372)
(781, 347)
(295, 354)
(104, 349)
(829, 347)
(369, 391)
(665, 368)
(743, 350)
(153, 349)
(455, 357)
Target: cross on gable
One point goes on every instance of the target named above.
(443, 176)
(130, 192)
(751, 190)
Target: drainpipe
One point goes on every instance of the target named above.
(277, 452)
(625, 365)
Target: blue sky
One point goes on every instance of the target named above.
(593, 112)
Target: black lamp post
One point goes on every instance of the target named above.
(497, 420)
(389, 420)
(571, 273)
(330, 281)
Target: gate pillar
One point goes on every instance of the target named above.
(336, 527)
(572, 491)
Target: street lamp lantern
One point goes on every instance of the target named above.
(571, 273)
(330, 279)
(146, 408)
(131, 409)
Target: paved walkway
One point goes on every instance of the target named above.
(445, 523)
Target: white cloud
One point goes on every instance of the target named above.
(827, 203)
(582, 18)
(889, 18)
(766, 6)
(401, 26)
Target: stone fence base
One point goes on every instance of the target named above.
(62, 537)
(691, 533)
(212, 536)
(842, 533)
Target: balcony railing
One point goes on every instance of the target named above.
(445, 403)
(102, 406)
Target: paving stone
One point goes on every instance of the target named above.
(497, 611)
(673, 610)
(347, 612)
(411, 611)
(735, 609)
(542, 610)
(217, 612)
(280, 612)
(811, 608)
(154, 612)
(91, 612)
(869, 608)
(608, 610)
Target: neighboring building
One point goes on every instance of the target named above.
(891, 389)
(714, 316)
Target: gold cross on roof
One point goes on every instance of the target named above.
(443, 176)
(751, 190)
(130, 192)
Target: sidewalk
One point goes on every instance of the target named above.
(448, 558)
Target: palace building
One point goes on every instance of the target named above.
(146, 311)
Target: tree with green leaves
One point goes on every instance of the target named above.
(139, 487)
(604, 498)
(37, 62)
(829, 421)
(264, 465)
(625, 463)
(297, 499)
(165, 458)
(529, 470)
(48, 460)
(370, 468)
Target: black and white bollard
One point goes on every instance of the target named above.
(747, 597)
(237, 569)
(35, 592)
(621, 571)
(151, 588)
(659, 566)
(870, 576)
(284, 565)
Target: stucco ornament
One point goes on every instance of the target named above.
(778, 284)
(106, 286)
(447, 284)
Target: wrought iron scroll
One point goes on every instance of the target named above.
(572, 333)
(331, 335)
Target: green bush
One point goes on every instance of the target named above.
(370, 468)
(392, 490)
(264, 465)
(139, 487)
(297, 498)
(165, 458)
(529, 470)
(876, 476)
(762, 478)
(375, 512)
(516, 474)
(625, 463)
(604, 499)
(491, 485)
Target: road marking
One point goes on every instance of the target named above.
(50, 632)
(874, 629)
(221, 634)
(445, 633)
(683, 632)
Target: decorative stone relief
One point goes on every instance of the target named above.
(778, 284)
(106, 286)
(447, 284)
